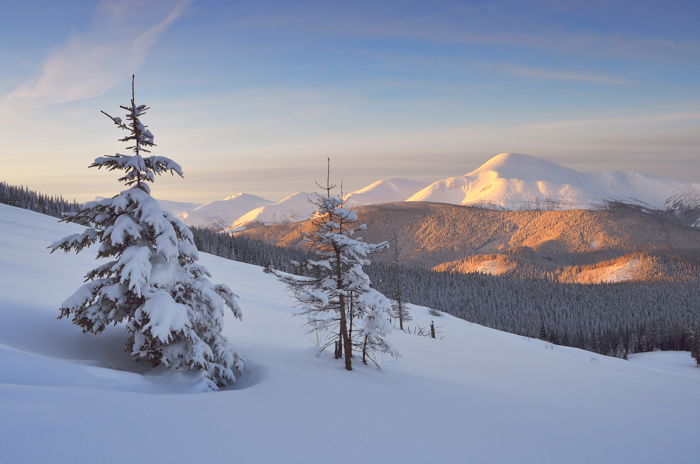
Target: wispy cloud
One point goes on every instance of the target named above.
(566, 76)
(512, 25)
(92, 63)
(641, 119)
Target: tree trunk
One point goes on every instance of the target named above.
(340, 345)
(344, 333)
(364, 351)
(352, 316)
(342, 309)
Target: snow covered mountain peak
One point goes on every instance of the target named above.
(526, 167)
(236, 195)
(295, 207)
(219, 214)
(516, 181)
(384, 191)
(510, 181)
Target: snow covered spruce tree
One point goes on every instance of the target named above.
(151, 280)
(338, 302)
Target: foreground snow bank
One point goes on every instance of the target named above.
(477, 395)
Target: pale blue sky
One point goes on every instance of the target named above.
(253, 95)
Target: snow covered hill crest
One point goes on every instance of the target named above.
(219, 214)
(299, 206)
(515, 182)
(384, 191)
(295, 207)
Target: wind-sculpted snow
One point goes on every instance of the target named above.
(472, 395)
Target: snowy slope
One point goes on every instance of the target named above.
(476, 395)
(295, 207)
(384, 191)
(219, 214)
(514, 181)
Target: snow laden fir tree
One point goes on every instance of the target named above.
(340, 306)
(151, 280)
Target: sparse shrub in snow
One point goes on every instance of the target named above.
(695, 344)
(152, 280)
(340, 306)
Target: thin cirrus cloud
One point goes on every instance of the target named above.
(498, 24)
(637, 120)
(92, 63)
(566, 76)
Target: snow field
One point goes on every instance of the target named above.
(476, 395)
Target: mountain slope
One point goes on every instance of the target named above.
(219, 214)
(476, 392)
(638, 266)
(514, 181)
(533, 243)
(295, 207)
(384, 191)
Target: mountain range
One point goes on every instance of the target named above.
(515, 182)
(219, 214)
(618, 243)
(508, 181)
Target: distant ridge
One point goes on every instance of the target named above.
(295, 207)
(219, 214)
(384, 191)
(508, 181)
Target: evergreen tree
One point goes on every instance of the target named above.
(22, 197)
(336, 297)
(399, 310)
(151, 281)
